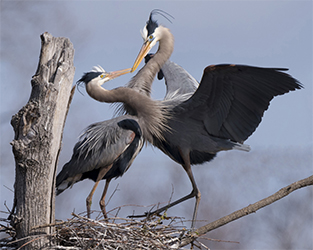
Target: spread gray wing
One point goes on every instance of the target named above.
(231, 99)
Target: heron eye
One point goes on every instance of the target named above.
(150, 37)
(101, 76)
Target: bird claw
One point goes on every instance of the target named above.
(147, 214)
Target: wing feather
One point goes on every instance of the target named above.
(231, 99)
(99, 146)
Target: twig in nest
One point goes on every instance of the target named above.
(130, 234)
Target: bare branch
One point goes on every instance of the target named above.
(247, 210)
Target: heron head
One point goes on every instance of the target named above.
(151, 34)
(99, 76)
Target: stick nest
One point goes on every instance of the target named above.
(114, 233)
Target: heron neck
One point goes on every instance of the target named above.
(143, 80)
(165, 50)
(122, 94)
(151, 115)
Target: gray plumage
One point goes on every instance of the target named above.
(99, 146)
(105, 150)
(178, 81)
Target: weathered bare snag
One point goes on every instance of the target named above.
(38, 128)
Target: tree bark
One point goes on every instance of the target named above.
(38, 128)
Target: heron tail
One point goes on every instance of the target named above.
(64, 185)
(243, 147)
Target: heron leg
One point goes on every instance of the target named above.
(101, 174)
(194, 193)
(102, 201)
(89, 198)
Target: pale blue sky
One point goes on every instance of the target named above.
(259, 33)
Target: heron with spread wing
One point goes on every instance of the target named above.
(191, 128)
(221, 114)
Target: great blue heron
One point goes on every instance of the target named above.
(223, 112)
(105, 150)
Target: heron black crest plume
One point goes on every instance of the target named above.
(88, 76)
(152, 24)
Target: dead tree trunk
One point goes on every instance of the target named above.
(38, 128)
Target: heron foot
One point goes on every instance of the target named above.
(149, 214)
(104, 212)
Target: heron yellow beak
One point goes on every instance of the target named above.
(146, 47)
(114, 74)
